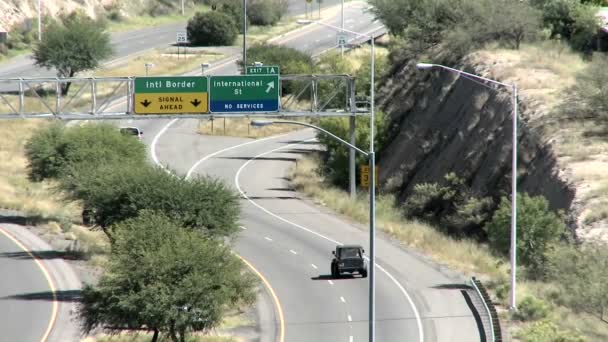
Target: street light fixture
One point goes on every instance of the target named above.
(258, 64)
(513, 88)
(372, 171)
(204, 67)
(39, 20)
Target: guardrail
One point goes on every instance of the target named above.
(495, 331)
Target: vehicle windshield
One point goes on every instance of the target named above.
(350, 253)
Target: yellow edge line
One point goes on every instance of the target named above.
(48, 279)
(277, 303)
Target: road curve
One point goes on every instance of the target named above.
(38, 290)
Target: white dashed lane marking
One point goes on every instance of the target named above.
(293, 252)
(267, 238)
(342, 299)
(330, 282)
(242, 227)
(350, 319)
(314, 266)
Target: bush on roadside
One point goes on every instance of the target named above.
(450, 206)
(539, 229)
(532, 309)
(211, 29)
(266, 12)
(55, 151)
(582, 275)
(233, 9)
(114, 193)
(546, 331)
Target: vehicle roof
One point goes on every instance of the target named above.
(350, 246)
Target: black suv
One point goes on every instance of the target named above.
(348, 259)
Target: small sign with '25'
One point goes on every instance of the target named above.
(182, 37)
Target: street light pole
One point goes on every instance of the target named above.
(183, 12)
(514, 105)
(372, 173)
(244, 35)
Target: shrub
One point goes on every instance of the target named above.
(546, 331)
(114, 193)
(56, 151)
(582, 275)
(42, 152)
(266, 12)
(451, 206)
(211, 29)
(532, 309)
(234, 9)
(589, 96)
(538, 228)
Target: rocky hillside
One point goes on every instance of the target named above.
(16, 11)
(443, 123)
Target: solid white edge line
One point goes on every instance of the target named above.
(155, 141)
(350, 339)
(205, 158)
(399, 286)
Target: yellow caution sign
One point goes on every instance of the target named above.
(365, 176)
(171, 103)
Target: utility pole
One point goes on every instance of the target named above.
(342, 26)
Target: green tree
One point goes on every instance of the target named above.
(335, 164)
(73, 44)
(164, 278)
(114, 193)
(538, 229)
(212, 29)
(266, 12)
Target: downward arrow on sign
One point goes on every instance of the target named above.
(146, 103)
(195, 103)
(270, 86)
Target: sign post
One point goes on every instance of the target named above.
(247, 93)
(341, 39)
(170, 95)
(365, 176)
(181, 39)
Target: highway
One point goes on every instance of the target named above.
(289, 240)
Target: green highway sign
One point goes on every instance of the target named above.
(248, 93)
(262, 70)
(170, 95)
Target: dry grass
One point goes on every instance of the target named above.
(143, 21)
(466, 256)
(166, 62)
(17, 192)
